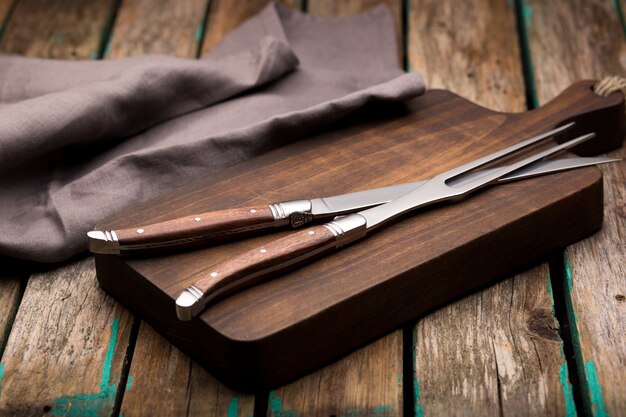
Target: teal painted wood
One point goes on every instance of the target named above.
(67, 347)
(589, 385)
(167, 382)
(592, 277)
(98, 403)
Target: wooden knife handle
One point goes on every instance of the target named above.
(253, 266)
(184, 231)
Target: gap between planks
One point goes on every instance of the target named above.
(590, 276)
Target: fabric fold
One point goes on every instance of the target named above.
(150, 90)
(74, 151)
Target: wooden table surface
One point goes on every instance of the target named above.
(550, 340)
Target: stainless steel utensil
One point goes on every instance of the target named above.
(453, 185)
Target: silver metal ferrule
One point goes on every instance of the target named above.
(190, 303)
(296, 212)
(104, 241)
(347, 228)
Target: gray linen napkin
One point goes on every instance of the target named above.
(82, 140)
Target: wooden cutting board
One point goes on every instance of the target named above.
(279, 330)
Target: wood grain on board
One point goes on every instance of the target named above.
(169, 27)
(589, 42)
(496, 351)
(69, 29)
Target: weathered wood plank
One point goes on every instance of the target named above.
(164, 26)
(11, 290)
(343, 8)
(496, 351)
(369, 381)
(588, 42)
(470, 43)
(595, 273)
(226, 15)
(69, 29)
(67, 346)
(164, 380)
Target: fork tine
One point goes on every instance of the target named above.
(437, 189)
(504, 152)
(494, 176)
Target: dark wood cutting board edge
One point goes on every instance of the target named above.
(249, 349)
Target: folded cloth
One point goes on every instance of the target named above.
(80, 140)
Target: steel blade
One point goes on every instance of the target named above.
(351, 202)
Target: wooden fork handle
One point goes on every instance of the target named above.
(256, 265)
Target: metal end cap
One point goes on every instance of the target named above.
(104, 242)
(189, 304)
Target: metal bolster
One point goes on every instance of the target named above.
(190, 303)
(296, 212)
(347, 228)
(104, 241)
